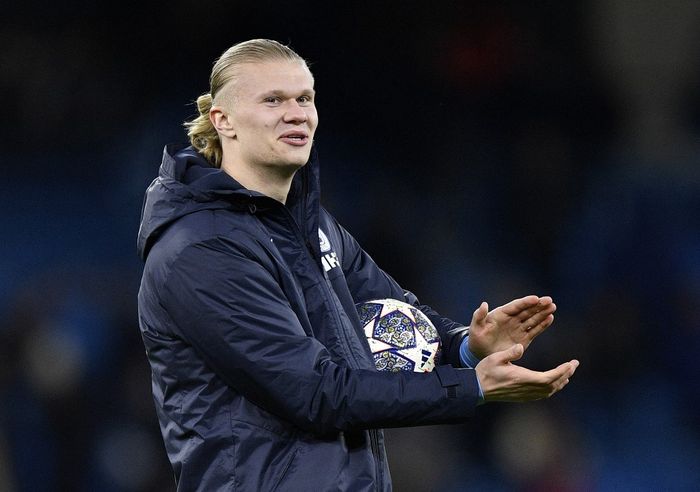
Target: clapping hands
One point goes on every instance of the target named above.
(501, 336)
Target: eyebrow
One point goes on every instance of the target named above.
(281, 93)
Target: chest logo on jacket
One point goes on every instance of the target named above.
(329, 259)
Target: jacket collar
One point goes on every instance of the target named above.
(187, 183)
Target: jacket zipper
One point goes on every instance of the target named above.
(297, 228)
(376, 451)
(373, 433)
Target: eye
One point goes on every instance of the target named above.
(272, 100)
(304, 100)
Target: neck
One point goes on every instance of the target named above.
(272, 181)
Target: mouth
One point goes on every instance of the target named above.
(295, 137)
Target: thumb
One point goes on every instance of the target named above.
(513, 353)
(481, 312)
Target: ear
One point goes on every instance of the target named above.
(221, 120)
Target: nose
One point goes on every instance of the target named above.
(294, 113)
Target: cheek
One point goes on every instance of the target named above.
(313, 119)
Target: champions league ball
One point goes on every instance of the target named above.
(400, 336)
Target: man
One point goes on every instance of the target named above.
(262, 377)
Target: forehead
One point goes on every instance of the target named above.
(274, 75)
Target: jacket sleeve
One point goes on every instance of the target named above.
(367, 281)
(232, 310)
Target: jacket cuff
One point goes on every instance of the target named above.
(468, 359)
(459, 383)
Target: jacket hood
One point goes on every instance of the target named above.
(187, 183)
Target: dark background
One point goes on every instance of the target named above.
(478, 150)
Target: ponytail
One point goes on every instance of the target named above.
(202, 133)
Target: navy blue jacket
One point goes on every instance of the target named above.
(262, 376)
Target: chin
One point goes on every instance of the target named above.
(288, 165)
(296, 160)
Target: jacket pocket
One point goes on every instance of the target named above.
(263, 458)
(285, 470)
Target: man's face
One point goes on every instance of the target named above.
(272, 112)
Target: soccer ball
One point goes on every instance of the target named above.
(400, 336)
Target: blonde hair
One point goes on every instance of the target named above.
(200, 130)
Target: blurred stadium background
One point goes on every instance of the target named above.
(478, 150)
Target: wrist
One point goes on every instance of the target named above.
(466, 356)
(481, 399)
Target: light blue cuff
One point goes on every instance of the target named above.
(470, 360)
(465, 355)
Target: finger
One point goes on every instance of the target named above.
(482, 311)
(516, 306)
(565, 370)
(540, 327)
(536, 313)
(559, 384)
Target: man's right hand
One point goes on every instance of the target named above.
(501, 380)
